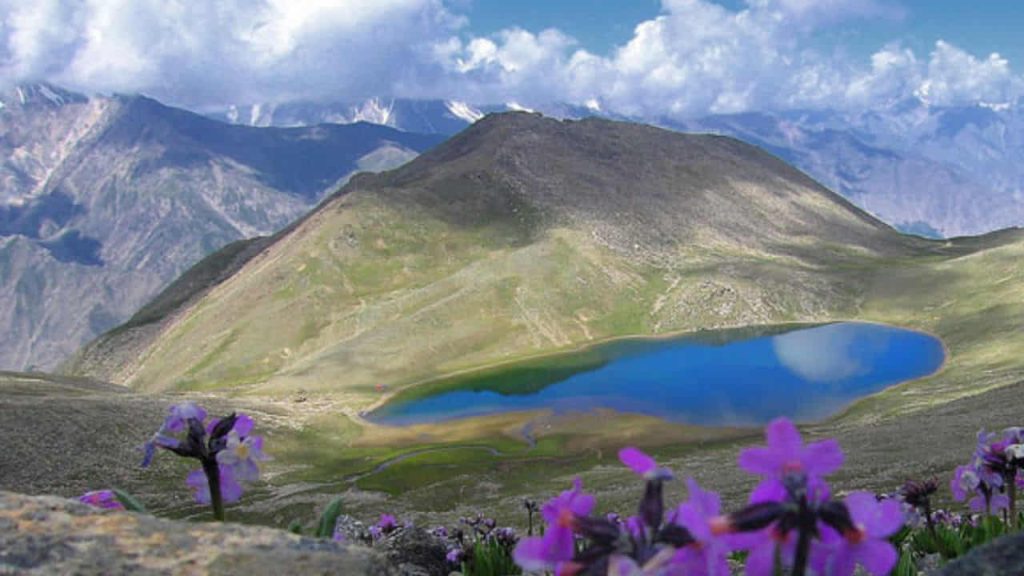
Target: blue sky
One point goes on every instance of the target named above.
(982, 27)
(678, 58)
(599, 25)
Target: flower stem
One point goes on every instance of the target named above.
(1011, 492)
(806, 529)
(803, 548)
(212, 472)
(927, 509)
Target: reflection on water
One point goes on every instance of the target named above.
(832, 352)
(806, 374)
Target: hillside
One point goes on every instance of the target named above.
(105, 200)
(519, 236)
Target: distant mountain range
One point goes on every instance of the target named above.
(934, 171)
(105, 200)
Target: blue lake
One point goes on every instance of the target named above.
(709, 379)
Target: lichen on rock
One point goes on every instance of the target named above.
(49, 535)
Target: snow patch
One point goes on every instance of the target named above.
(593, 105)
(50, 95)
(21, 95)
(374, 111)
(517, 107)
(463, 111)
(254, 114)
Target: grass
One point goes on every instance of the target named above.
(974, 302)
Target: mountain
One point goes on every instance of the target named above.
(942, 171)
(929, 170)
(521, 235)
(105, 200)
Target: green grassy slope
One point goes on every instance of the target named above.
(521, 236)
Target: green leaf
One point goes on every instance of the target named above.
(128, 501)
(490, 559)
(953, 543)
(329, 518)
(906, 565)
(295, 527)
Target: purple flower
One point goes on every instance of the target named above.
(105, 499)
(865, 543)
(701, 516)
(225, 447)
(635, 528)
(176, 421)
(786, 454)
(968, 482)
(965, 481)
(243, 452)
(763, 546)
(990, 460)
(339, 536)
(384, 526)
(996, 503)
(621, 565)
(455, 556)
(387, 523)
(230, 489)
(558, 544)
(643, 465)
(179, 415)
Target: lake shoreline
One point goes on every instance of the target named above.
(797, 369)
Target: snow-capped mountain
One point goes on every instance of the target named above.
(420, 116)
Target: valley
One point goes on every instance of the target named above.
(451, 264)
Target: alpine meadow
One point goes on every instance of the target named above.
(435, 287)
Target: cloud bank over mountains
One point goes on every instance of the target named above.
(696, 57)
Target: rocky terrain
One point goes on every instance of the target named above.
(105, 200)
(47, 535)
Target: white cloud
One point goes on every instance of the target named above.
(696, 57)
(699, 57)
(954, 77)
(821, 354)
(202, 52)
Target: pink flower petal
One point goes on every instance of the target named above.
(637, 461)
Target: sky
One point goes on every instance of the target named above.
(673, 58)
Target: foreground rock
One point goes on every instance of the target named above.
(48, 535)
(1000, 558)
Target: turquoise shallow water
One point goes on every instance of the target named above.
(716, 380)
